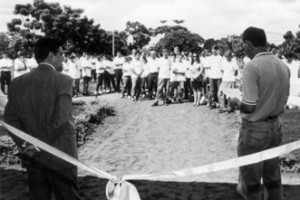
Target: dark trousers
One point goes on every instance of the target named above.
(86, 81)
(126, 85)
(255, 137)
(152, 84)
(118, 74)
(188, 90)
(43, 181)
(214, 85)
(144, 85)
(76, 86)
(5, 80)
(110, 80)
(94, 75)
(100, 81)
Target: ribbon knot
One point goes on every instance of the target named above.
(117, 189)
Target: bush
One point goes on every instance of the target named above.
(86, 117)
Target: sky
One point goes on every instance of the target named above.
(209, 18)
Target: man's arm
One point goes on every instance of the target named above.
(249, 90)
(63, 109)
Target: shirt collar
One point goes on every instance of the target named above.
(262, 54)
(44, 63)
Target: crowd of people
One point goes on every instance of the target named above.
(167, 77)
(170, 76)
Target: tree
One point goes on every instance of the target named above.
(79, 34)
(140, 34)
(184, 39)
(4, 43)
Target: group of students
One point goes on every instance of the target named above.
(170, 77)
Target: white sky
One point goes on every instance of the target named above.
(208, 18)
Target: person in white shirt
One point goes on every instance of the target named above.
(86, 73)
(196, 70)
(74, 72)
(153, 66)
(20, 66)
(93, 61)
(65, 68)
(100, 71)
(164, 74)
(177, 79)
(230, 70)
(31, 63)
(145, 74)
(6, 65)
(109, 75)
(118, 62)
(213, 63)
(293, 64)
(188, 90)
(136, 73)
(126, 77)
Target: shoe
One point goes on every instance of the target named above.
(179, 100)
(96, 93)
(155, 104)
(122, 96)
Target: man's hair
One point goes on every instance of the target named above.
(44, 46)
(256, 36)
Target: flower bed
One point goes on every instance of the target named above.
(87, 115)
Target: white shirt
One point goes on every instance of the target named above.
(31, 63)
(6, 64)
(165, 66)
(213, 63)
(86, 67)
(118, 62)
(100, 67)
(179, 67)
(74, 69)
(126, 69)
(229, 69)
(109, 66)
(146, 70)
(20, 67)
(188, 73)
(93, 62)
(153, 65)
(137, 66)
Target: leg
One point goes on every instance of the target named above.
(39, 185)
(65, 184)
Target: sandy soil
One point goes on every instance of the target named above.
(141, 139)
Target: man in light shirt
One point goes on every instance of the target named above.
(6, 65)
(177, 79)
(118, 62)
(20, 66)
(100, 71)
(229, 69)
(153, 66)
(136, 73)
(86, 73)
(164, 74)
(213, 63)
(74, 72)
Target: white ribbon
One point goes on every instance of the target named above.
(120, 189)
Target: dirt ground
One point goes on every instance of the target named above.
(141, 139)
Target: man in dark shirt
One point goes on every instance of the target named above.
(265, 91)
(40, 103)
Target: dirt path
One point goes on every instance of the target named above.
(148, 140)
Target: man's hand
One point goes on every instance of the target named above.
(30, 150)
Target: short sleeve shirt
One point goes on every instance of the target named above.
(266, 85)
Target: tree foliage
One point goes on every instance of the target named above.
(182, 38)
(140, 34)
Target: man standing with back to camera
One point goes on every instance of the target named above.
(265, 91)
(40, 104)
